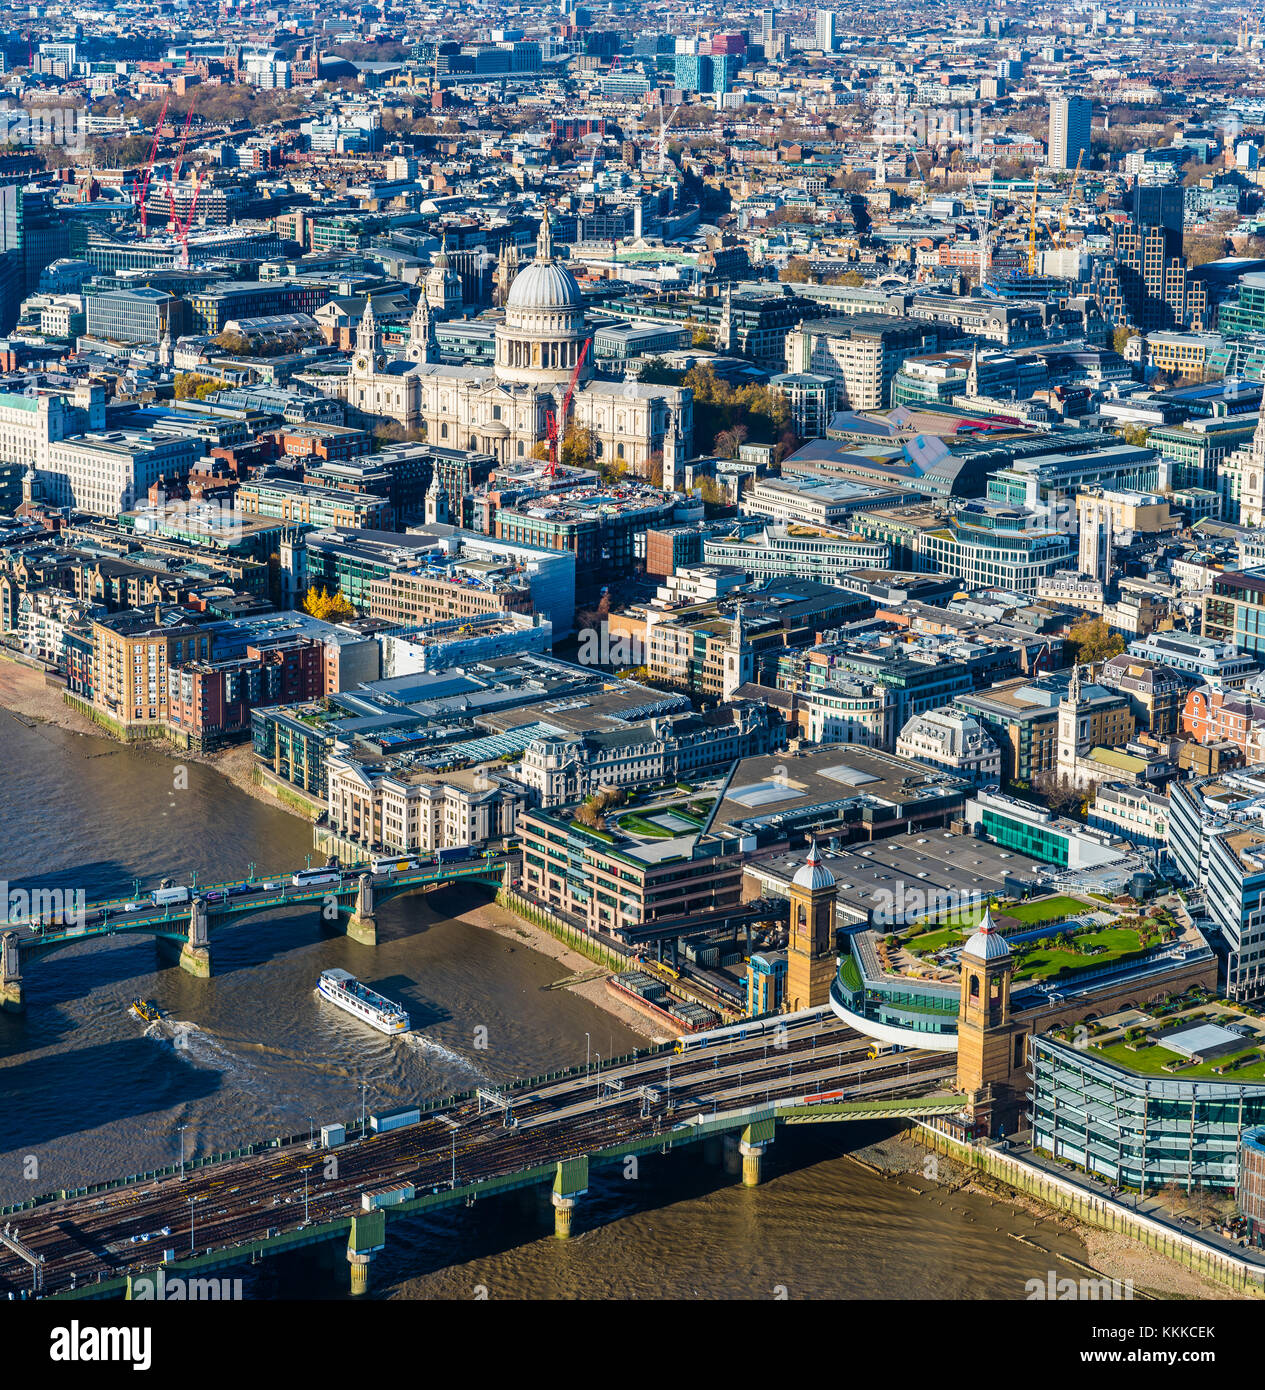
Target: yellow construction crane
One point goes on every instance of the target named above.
(1032, 228)
(1071, 193)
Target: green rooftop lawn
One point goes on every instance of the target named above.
(1030, 914)
(1047, 910)
(934, 940)
(1039, 963)
(637, 824)
(1150, 1061)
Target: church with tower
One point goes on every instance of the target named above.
(501, 410)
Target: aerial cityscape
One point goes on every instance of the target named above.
(626, 631)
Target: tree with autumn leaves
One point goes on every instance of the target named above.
(330, 608)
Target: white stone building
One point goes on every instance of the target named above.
(502, 410)
(956, 742)
(417, 812)
(563, 768)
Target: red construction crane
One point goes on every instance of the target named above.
(551, 420)
(175, 172)
(184, 140)
(181, 229)
(149, 168)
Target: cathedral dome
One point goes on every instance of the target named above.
(545, 285)
(541, 342)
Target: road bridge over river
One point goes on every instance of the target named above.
(347, 899)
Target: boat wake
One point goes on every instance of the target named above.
(199, 1048)
(437, 1052)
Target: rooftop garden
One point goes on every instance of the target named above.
(936, 932)
(1068, 952)
(1154, 1059)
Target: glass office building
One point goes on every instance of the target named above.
(129, 316)
(1141, 1131)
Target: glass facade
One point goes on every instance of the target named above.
(129, 316)
(1142, 1131)
(1033, 840)
(920, 1006)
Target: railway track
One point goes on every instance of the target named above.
(102, 1236)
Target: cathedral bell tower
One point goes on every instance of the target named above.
(990, 1045)
(810, 965)
(423, 346)
(367, 347)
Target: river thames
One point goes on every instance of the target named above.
(89, 1091)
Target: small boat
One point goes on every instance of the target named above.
(146, 1010)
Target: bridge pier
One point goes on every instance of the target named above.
(362, 925)
(359, 1272)
(570, 1182)
(753, 1145)
(194, 954)
(367, 1236)
(752, 1163)
(562, 1209)
(11, 999)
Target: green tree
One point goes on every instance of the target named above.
(1120, 338)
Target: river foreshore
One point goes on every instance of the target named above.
(1110, 1254)
(24, 692)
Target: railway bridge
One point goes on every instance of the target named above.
(348, 901)
(727, 1091)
